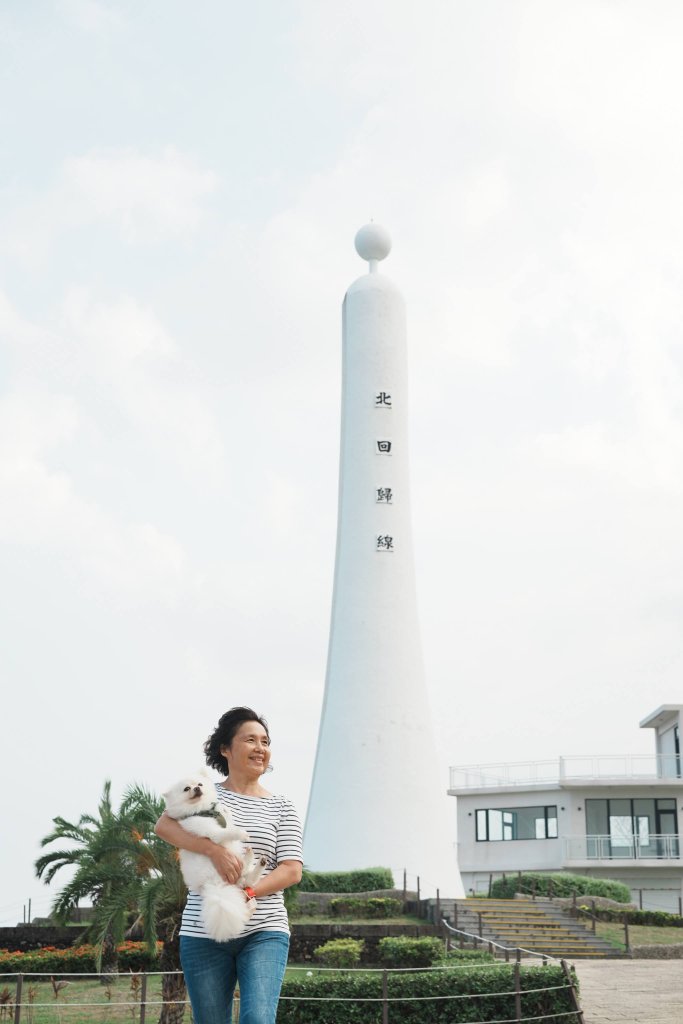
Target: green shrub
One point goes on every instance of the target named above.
(562, 885)
(363, 880)
(403, 951)
(340, 952)
(374, 906)
(656, 918)
(465, 981)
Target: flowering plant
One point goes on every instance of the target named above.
(73, 960)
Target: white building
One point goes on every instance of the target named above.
(609, 817)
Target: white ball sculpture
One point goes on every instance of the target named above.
(373, 242)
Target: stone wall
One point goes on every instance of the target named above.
(658, 952)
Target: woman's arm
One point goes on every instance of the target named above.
(288, 872)
(228, 866)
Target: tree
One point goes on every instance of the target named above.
(155, 887)
(129, 872)
(97, 862)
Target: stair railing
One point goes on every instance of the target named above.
(576, 911)
(448, 930)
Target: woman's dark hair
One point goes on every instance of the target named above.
(222, 735)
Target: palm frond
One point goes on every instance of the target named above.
(140, 800)
(54, 861)
(65, 830)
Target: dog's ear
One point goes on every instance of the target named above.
(204, 773)
(172, 793)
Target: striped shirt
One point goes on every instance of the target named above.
(274, 831)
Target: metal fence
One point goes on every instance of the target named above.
(142, 1009)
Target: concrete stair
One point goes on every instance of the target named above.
(536, 925)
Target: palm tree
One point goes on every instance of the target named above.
(155, 887)
(127, 870)
(96, 858)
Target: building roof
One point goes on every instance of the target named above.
(659, 717)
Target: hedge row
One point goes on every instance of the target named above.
(132, 956)
(374, 907)
(365, 880)
(562, 885)
(398, 951)
(484, 981)
(658, 918)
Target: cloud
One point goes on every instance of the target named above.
(134, 362)
(117, 356)
(104, 389)
(91, 16)
(142, 196)
(593, 69)
(35, 422)
(40, 506)
(32, 498)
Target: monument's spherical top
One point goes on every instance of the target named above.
(373, 242)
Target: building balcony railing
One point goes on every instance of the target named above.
(630, 766)
(650, 847)
(563, 769)
(492, 776)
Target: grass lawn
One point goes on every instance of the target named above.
(110, 1002)
(639, 934)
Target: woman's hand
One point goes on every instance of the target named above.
(228, 866)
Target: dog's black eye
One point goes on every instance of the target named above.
(187, 789)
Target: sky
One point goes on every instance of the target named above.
(179, 192)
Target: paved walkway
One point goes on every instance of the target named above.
(631, 991)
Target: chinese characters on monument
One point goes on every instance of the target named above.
(383, 495)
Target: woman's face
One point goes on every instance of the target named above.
(249, 751)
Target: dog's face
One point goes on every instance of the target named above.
(191, 794)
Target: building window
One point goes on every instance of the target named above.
(502, 824)
(632, 828)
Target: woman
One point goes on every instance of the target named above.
(239, 747)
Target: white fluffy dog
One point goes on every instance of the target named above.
(225, 909)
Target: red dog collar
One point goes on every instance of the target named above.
(250, 892)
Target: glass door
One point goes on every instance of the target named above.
(667, 841)
(621, 836)
(644, 827)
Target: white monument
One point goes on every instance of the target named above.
(378, 796)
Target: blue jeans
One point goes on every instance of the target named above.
(211, 969)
